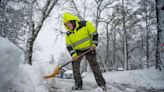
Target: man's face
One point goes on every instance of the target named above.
(69, 25)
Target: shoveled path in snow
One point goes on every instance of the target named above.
(65, 85)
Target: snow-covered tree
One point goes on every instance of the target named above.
(13, 21)
(35, 27)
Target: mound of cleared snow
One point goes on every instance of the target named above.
(17, 77)
(10, 58)
(31, 79)
(148, 78)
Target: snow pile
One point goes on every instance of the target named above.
(31, 80)
(148, 78)
(18, 77)
(32, 77)
(10, 58)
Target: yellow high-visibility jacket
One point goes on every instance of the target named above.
(82, 37)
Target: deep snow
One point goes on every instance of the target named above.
(10, 58)
(18, 77)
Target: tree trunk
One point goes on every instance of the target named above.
(29, 51)
(29, 44)
(114, 48)
(35, 31)
(125, 39)
(147, 36)
(108, 65)
(160, 34)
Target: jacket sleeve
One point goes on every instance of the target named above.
(93, 33)
(70, 47)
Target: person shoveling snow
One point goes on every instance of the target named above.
(81, 37)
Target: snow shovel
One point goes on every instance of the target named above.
(56, 71)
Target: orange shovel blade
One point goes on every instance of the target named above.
(55, 72)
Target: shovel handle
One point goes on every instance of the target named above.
(72, 61)
(57, 69)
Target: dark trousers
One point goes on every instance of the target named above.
(91, 57)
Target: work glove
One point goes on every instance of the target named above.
(75, 58)
(92, 49)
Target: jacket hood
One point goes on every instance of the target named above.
(67, 17)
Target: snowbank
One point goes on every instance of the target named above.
(148, 78)
(10, 58)
(18, 77)
(32, 77)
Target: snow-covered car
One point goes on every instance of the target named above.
(120, 68)
(68, 74)
(61, 73)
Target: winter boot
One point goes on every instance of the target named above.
(103, 87)
(77, 87)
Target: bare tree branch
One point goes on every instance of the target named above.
(77, 10)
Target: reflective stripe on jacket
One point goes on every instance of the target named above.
(82, 37)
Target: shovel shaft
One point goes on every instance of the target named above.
(72, 61)
(56, 71)
(65, 64)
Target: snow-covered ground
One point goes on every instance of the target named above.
(18, 77)
(148, 80)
